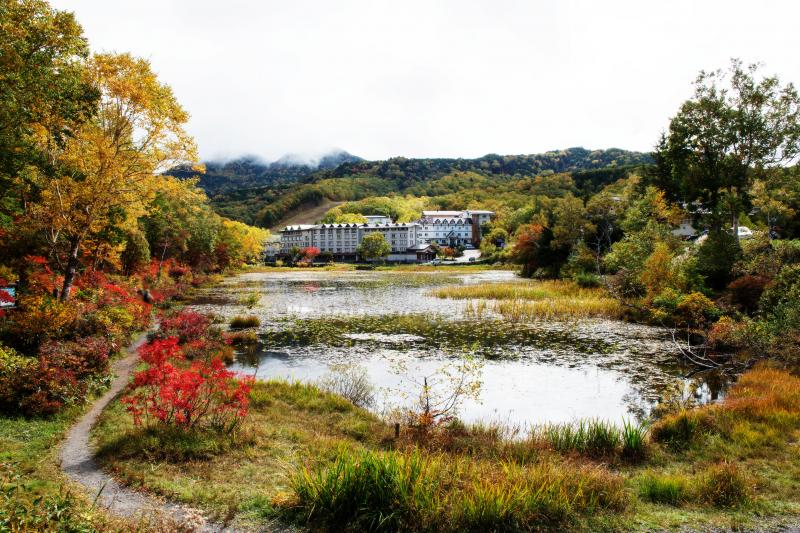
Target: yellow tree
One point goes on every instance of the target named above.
(109, 166)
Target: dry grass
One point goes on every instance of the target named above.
(532, 300)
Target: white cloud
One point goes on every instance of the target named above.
(436, 78)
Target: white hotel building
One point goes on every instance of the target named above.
(409, 241)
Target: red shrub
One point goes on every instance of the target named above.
(83, 357)
(91, 279)
(186, 325)
(202, 395)
(176, 272)
(39, 389)
(746, 291)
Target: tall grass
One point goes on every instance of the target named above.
(519, 301)
(241, 322)
(417, 491)
(667, 489)
(596, 438)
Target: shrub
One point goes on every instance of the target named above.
(671, 490)
(587, 280)
(746, 291)
(186, 326)
(351, 382)
(695, 310)
(83, 357)
(241, 322)
(716, 257)
(724, 485)
(40, 318)
(204, 395)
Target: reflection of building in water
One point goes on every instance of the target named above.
(410, 242)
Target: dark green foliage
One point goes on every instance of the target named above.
(716, 257)
(136, 254)
(588, 280)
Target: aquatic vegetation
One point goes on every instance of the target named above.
(242, 322)
(483, 337)
(250, 300)
(530, 300)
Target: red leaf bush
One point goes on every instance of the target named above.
(187, 326)
(198, 395)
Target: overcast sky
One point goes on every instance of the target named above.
(436, 78)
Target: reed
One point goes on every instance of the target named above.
(593, 437)
(518, 301)
(242, 322)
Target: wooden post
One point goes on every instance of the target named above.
(397, 430)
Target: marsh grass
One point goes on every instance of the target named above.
(531, 300)
(664, 488)
(242, 322)
(315, 457)
(595, 438)
(243, 338)
(409, 490)
(725, 485)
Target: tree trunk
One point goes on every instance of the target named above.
(72, 268)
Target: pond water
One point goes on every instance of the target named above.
(388, 324)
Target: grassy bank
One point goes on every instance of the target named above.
(531, 300)
(309, 456)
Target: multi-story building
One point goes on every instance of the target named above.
(342, 240)
(453, 228)
(409, 241)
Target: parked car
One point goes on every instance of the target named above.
(471, 259)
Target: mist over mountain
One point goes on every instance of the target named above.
(251, 171)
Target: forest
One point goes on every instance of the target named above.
(264, 195)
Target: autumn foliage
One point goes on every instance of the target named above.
(189, 395)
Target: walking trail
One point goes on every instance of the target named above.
(77, 461)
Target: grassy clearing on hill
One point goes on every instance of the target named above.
(532, 300)
(312, 457)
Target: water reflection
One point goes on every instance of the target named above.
(552, 372)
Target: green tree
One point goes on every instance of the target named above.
(373, 246)
(737, 127)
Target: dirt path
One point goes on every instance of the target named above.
(77, 461)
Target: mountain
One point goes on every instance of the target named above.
(266, 194)
(248, 172)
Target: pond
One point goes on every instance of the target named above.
(388, 324)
